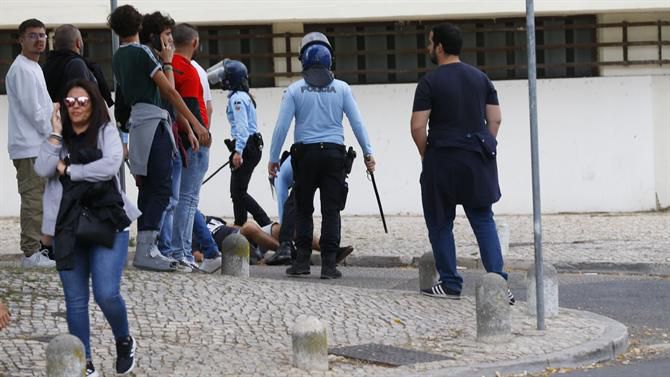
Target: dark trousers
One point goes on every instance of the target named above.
(317, 167)
(155, 189)
(239, 184)
(287, 230)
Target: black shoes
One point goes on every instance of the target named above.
(300, 264)
(441, 291)
(283, 254)
(255, 255)
(510, 297)
(343, 253)
(328, 266)
(330, 273)
(125, 355)
(295, 271)
(90, 369)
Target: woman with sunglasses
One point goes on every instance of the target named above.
(81, 159)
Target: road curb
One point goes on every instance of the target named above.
(385, 261)
(611, 343)
(654, 269)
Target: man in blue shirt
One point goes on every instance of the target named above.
(318, 103)
(458, 155)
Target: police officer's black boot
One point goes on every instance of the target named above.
(328, 266)
(283, 255)
(301, 263)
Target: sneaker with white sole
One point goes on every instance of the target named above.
(38, 260)
(183, 266)
(125, 355)
(440, 290)
(510, 297)
(90, 369)
(211, 265)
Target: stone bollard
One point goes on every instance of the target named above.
(503, 235)
(428, 275)
(235, 256)
(66, 357)
(550, 291)
(310, 344)
(494, 324)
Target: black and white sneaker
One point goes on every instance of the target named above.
(90, 369)
(125, 355)
(441, 291)
(510, 297)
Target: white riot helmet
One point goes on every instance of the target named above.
(314, 38)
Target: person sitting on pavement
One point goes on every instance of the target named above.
(262, 238)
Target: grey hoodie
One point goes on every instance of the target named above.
(103, 169)
(145, 118)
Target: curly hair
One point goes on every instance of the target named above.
(154, 24)
(126, 21)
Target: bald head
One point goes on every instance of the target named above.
(68, 37)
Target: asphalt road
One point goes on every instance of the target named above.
(641, 303)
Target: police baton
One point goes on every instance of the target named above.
(217, 170)
(379, 202)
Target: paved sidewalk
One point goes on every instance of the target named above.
(226, 326)
(626, 242)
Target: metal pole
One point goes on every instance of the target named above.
(535, 162)
(115, 46)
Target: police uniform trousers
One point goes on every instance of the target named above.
(319, 166)
(239, 184)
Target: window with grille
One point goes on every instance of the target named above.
(97, 47)
(252, 45)
(9, 48)
(395, 52)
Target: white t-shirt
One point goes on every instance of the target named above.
(206, 92)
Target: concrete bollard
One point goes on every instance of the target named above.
(503, 235)
(310, 344)
(66, 357)
(494, 323)
(428, 275)
(235, 256)
(550, 291)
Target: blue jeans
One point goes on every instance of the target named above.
(204, 236)
(441, 237)
(189, 195)
(165, 237)
(104, 267)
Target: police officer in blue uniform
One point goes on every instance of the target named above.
(458, 157)
(246, 153)
(318, 103)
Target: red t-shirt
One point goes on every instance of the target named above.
(187, 82)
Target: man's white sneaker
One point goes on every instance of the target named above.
(38, 260)
(184, 267)
(210, 265)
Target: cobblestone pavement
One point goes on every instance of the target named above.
(203, 325)
(603, 237)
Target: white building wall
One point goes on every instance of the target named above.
(603, 147)
(94, 12)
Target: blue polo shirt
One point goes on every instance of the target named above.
(318, 114)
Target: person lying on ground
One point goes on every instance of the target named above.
(261, 239)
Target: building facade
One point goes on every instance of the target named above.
(603, 88)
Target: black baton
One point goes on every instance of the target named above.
(379, 202)
(217, 170)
